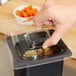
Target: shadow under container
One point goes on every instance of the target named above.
(46, 65)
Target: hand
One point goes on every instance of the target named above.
(62, 13)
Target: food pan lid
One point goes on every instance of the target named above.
(20, 63)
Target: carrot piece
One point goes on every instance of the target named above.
(19, 13)
(30, 7)
(24, 14)
(25, 9)
(34, 11)
(29, 12)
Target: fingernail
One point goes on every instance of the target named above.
(45, 46)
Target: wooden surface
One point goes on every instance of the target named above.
(6, 9)
(70, 39)
(9, 26)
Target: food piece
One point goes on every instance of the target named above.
(19, 13)
(47, 51)
(30, 7)
(34, 11)
(29, 12)
(30, 53)
(44, 52)
(24, 14)
(25, 9)
(37, 52)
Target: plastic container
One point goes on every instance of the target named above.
(47, 65)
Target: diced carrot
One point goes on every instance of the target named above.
(22, 10)
(29, 12)
(30, 7)
(25, 9)
(30, 15)
(34, 11)
(25, 14)
(19, 13)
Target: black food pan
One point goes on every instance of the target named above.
(32, 42)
